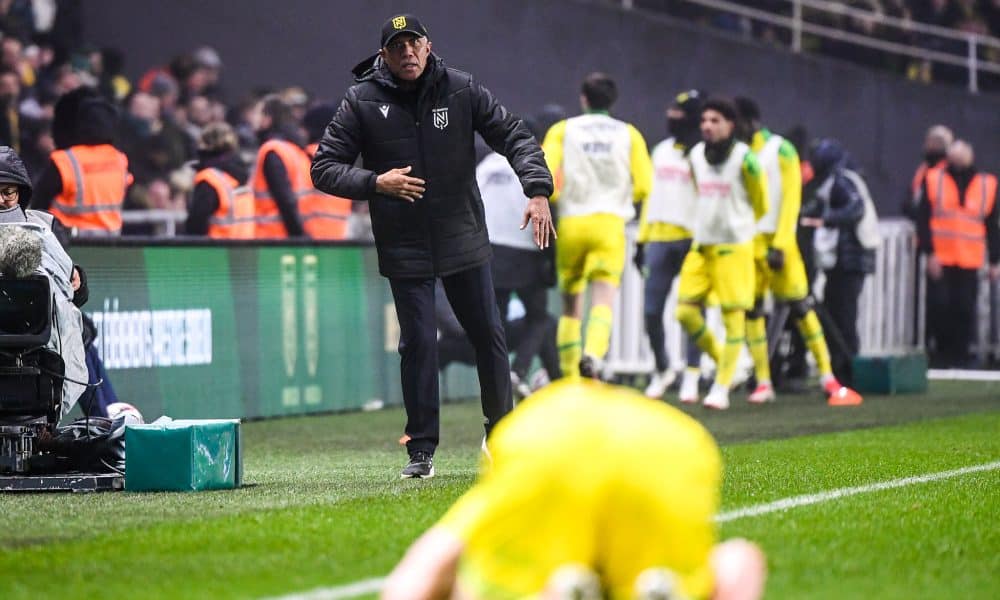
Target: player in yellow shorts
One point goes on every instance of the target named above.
(778, 262)
(732, 195)
(623, 487)
(601, 168)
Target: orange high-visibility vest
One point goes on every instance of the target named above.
(94, 180)
(918, 177)
(324, 217)
(958, 231)
(312, 148)
(234, 219)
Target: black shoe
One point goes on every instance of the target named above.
(590, 367)
(421, 466)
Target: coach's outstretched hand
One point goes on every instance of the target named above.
(539, 215)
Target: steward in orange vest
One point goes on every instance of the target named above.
(958, 229)
(961, 211)
(222, 205)
(84, 184)
(287, 204)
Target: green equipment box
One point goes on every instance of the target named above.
(183, 455)
(899, 374)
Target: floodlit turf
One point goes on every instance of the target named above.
(325, 506)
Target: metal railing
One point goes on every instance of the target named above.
(797, 24)
(889, 309)
(164, 221)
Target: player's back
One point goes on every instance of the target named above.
(596, 169)
(597, 475)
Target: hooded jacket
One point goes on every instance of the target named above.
(431, 130)
(55, 263)
(842, 205)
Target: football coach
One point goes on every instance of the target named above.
(412, 120)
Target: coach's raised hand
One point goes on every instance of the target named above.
(396, 182)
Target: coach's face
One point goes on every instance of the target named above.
(715, 127)
(406, 56)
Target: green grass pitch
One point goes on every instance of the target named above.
(324, 506)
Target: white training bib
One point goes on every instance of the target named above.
(673, 198)
(596, 167)
(724, 214)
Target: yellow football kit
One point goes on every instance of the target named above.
(601, 167)
(591, 474)
(776, 229)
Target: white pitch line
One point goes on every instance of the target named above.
(371, 586)
(963, 375)
(796, 501)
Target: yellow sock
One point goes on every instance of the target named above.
(812, 334)
(598, 331)
(757, 341)
(693, 323)
(568, 342)
(736, 334)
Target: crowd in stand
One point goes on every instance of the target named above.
(162, 116)
(969, 16)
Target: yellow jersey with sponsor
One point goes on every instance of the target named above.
(731, 196)
(593, 474)
(600, 165)
(780, 162)
(668, 214)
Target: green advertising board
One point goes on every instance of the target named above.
(247, 331)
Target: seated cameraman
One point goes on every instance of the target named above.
(68, 282)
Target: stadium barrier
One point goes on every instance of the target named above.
(245, 330)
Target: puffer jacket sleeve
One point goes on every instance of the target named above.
(333, 169)
(510, 137)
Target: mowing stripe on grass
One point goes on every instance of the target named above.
(371, 586)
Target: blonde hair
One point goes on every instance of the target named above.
(218, 137)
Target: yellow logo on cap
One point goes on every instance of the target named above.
(398, 22)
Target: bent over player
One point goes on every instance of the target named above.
(640, 521)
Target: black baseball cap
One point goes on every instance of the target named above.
(401, 24)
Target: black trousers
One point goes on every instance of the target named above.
(663, 262)
(535, 334)
(840, 298)
(951, 314)
(471, 296)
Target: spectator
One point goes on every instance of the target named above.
(155, 148)
(844, 215)
(10, 118)
(222, 206)
(112, 82)
(84, 185)
(957, 227)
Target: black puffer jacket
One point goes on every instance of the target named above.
(431, 130)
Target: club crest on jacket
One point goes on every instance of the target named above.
(440, 117)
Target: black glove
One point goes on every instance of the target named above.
(639, 258)
(775, 259)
